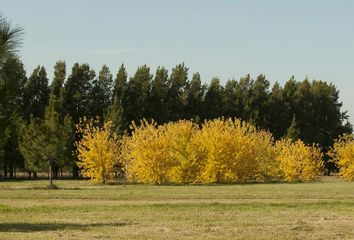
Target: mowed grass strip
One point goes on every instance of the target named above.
(83, 210)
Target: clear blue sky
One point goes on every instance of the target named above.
(223, 38)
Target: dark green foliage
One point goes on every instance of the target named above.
(31, 142)
(120, 83)
(277, 112)
(213, 103)
(293, 132)
(238, 98)
(176, 97)
(157, 99)
(77, 89)
(232, 102)
(12, 79)
(115, 113)
(258, 101)
(101, 93)
(47, 144)
(10, 40)
(135, 100)
(36, 93)
(56, 87)
(195, 93)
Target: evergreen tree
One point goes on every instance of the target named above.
(214, 100)
(77, 90)
(289, 98)
(36, 93)
(46, 143)
(31, 143)
(157, 105)
(12, 80)
(115, 114)
(101, 93)
(258, 100)
(175, 98)
(120, 83)
(244, 95)
(232, 100)
(293, 132)
(277, 112)
(195, 92)
(135, 100)
(56, 87)
(12, 77)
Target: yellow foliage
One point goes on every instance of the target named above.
(160, 154)
(183, 151)
(268, 167)
(98, 151)
(229, 150)
(220, 151)
(298, 162)
(343, 155)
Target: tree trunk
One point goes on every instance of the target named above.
(5, 170)
(11, 170)
(75, 172)
(50, 175)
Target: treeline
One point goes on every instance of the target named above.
(32, 105)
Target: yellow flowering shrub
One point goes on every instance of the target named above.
(268, 167)
(343, 155)
(161, 154)
(220, 151)
(298, 162)
(229, 148)
(98, 151)
(183, 150)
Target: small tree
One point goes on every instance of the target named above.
(115, 114)
(293, 131)
(98, 150)
(45, 144)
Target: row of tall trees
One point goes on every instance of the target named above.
(37, 111)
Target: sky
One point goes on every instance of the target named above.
(220, 38)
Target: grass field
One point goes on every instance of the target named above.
(83, 210)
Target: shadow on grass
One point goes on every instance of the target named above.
(38, 227)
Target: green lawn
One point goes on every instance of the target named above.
(83, 210)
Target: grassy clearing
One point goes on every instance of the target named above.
(83, 210)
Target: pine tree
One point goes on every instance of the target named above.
(293, 132)
(277, 112)
(195, 92)
(44, 143)
(101, 93)
(36, 93)
(175, 98)
(137, 91)
(244, 93)
(260, 95)
(115, 114)
(120, 83)
(157, 107)
(77, 89)
(214, 100)
(56, 87)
